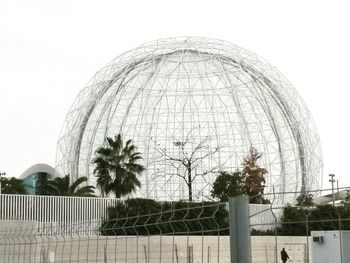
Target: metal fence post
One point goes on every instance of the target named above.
(240, 247)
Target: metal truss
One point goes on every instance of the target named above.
(195, 89)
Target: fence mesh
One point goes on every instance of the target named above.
(193, 233)
(174, 232)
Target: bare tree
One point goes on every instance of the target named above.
(188, 158)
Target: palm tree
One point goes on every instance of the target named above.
(117, 167)
(12, 186)
(60, 186)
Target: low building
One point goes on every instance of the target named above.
(330, 246)
(31, 175)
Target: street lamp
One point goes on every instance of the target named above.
(332, 180)
(1, 174)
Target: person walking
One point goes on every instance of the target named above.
(284, 255)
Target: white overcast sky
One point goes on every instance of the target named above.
(50, 49)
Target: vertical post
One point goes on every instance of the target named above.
(307, 236)
(332, 180)
(145, 252)
(340, 238)
(208, 256)
(177, 256)
(240, 246)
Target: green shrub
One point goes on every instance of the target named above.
(148, 217)
(322, 217)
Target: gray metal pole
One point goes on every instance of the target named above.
(332, 181)
(240, 246)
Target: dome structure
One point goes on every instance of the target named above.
(31, 175)
(196, 100)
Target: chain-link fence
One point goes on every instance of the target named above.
(189, 233)
(180, 232)
(309, 233)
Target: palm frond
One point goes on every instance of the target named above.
(76, 183)
(116, 169)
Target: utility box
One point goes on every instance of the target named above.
(330, 246)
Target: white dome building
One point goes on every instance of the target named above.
(197, 98)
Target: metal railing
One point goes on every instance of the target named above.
(59, 211)
(52, 212)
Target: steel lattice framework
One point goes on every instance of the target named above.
(194, 96)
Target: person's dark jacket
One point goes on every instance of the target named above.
(284, 255)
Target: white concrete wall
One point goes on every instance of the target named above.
(18, 227)
(346, 246)
(334, 248)
(155, 249)
(328, 250)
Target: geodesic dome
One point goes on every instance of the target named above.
(197, 98)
